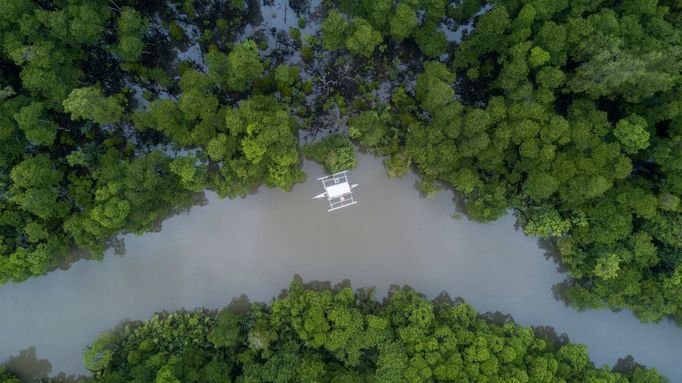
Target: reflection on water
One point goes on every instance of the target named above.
(27, 366)
(255, 245)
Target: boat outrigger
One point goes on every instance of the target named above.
(337, 190)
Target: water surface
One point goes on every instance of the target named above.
(255, 245)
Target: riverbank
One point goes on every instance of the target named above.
(255, 245)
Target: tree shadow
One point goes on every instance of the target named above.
(626, 365)
(28, 368)
(239, 305)
(552, 252)
(559, 291)
(549, 334)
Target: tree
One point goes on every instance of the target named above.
(334, 151)
(89, 103)
(192, 177)
(334, 31)
(610, 66)
(368, 128)
(245, 66)
(632, 133)
(36, 187)
(363, 38)
(97, 356)
(226, 332)
(38, 127)
(218, 66)
(196, 100)
(607, 267)
(431, 40)
(165, 116)
(538, 57)
(267, 146)
(402, 22)
(433, 88)
(325, 335)
(7, 377)
(541, 185)
(131, 30)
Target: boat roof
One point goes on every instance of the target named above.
(338, 190)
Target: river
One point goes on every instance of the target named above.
(255, 245)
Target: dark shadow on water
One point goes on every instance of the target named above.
(497, 318)
(240, 304)
(446, 299)
(626, 365)
(549, 333)
(117, 243)
(551, 250)
(559, 291)
(28, 368)
(552, 253)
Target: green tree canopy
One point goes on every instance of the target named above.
(327, 334)
(334, 151)
(89, 103)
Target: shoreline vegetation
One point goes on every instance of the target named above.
(113, 118)
(318, 333)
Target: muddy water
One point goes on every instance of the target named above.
(255, 245)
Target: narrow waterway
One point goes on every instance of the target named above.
(255, 245)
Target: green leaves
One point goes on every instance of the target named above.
(98, 355)
(244, 66)
(546, 223)
(192, 176)
(362, 38)
(334, 151)
(632, 133)
(267, 145)
(36, 124)
(339, 336)
(334, 31)
(610, 66)
(431, 40)
(607, 267)
(236, 70)
(402, 22)
(538, 56)
(36, 187)
(131, 30)
(111, 213)
(358, 36)
(368, 128)
(226, 332)
(433, 86)
(541, 185)
(89, 103)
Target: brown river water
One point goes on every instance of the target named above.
(255, 245)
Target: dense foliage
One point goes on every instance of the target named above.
(84, 158)
(569, 113)
(327, 335)
(566, 111)
(6, 377)
(335, 152)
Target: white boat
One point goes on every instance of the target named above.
(337, 190)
